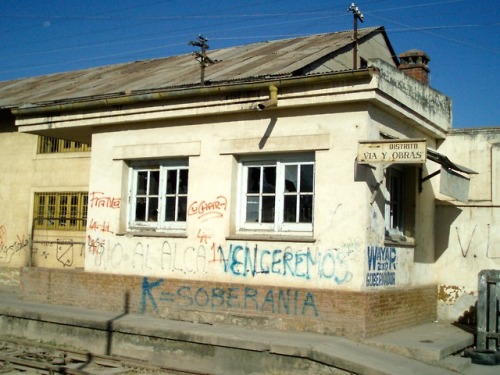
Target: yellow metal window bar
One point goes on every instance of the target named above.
(49, 145)
(61, 211)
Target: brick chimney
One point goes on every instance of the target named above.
(415, 64)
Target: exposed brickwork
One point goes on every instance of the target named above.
(346, 313)
(415, 64)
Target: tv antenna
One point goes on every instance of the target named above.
(357, 16)
(201, 56)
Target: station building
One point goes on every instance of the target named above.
(280, 184)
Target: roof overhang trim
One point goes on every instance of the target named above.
(125, 99)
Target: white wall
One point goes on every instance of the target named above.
(468, 235)
(340, 212)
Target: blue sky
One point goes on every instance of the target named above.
(462, 37)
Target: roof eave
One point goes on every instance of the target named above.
(155, 95)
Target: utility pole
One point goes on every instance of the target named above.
(202, 57)
(357, 16)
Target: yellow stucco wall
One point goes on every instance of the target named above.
(23, 173)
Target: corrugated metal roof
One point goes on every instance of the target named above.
(281, 58)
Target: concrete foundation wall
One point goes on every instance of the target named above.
(9, 277)
(345, 313)
(164, 346)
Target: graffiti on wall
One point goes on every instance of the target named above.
(477, 241)
(245, 261)
(382, 264)
(146, 255)
(239, 260)
(273, 301)
(65, 251)
(98, 199)
(204, 210)
(9, 250)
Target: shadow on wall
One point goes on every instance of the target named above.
(468, 321)
(446, 215)
(109, 325)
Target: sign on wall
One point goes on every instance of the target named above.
(409, 151)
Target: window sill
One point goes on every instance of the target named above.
(275, 237)
(63, 155)
(153, 234)
(399, 241)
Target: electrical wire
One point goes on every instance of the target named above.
(311, 16)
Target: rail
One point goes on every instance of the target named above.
(25, 356)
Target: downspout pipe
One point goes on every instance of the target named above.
(272, 101)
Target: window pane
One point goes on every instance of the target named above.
(252, 209)
(182, 209)
(183, 181)
(154, 181)
(63, 209)
(253, 181)
(268, 209)
(306, 209)
(41, 210)
(170, 209)
(73, 209)
(153, 209)
(306, 178)
(269, 180)
(291, 178)
(51, 209)
(171, 181)
(290, 209)
(142, 180)
(395, 187)
(60, 211)
(140, 209)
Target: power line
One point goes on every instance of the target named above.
(213, 30)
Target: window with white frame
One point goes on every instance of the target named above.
(158, 195)
(399, 201)
(277, 194)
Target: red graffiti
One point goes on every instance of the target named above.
(98, 199)
(96, 245)
(209, 210)
(203, 237)
(104, 227)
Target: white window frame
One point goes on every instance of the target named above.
(279, 225)
(163, 167)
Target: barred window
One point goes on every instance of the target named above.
(49, 145)
(61, 211)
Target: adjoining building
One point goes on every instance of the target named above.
(272, 185)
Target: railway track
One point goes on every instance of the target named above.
(19, 356)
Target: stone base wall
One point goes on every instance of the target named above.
(346, 313)
(9, 278)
